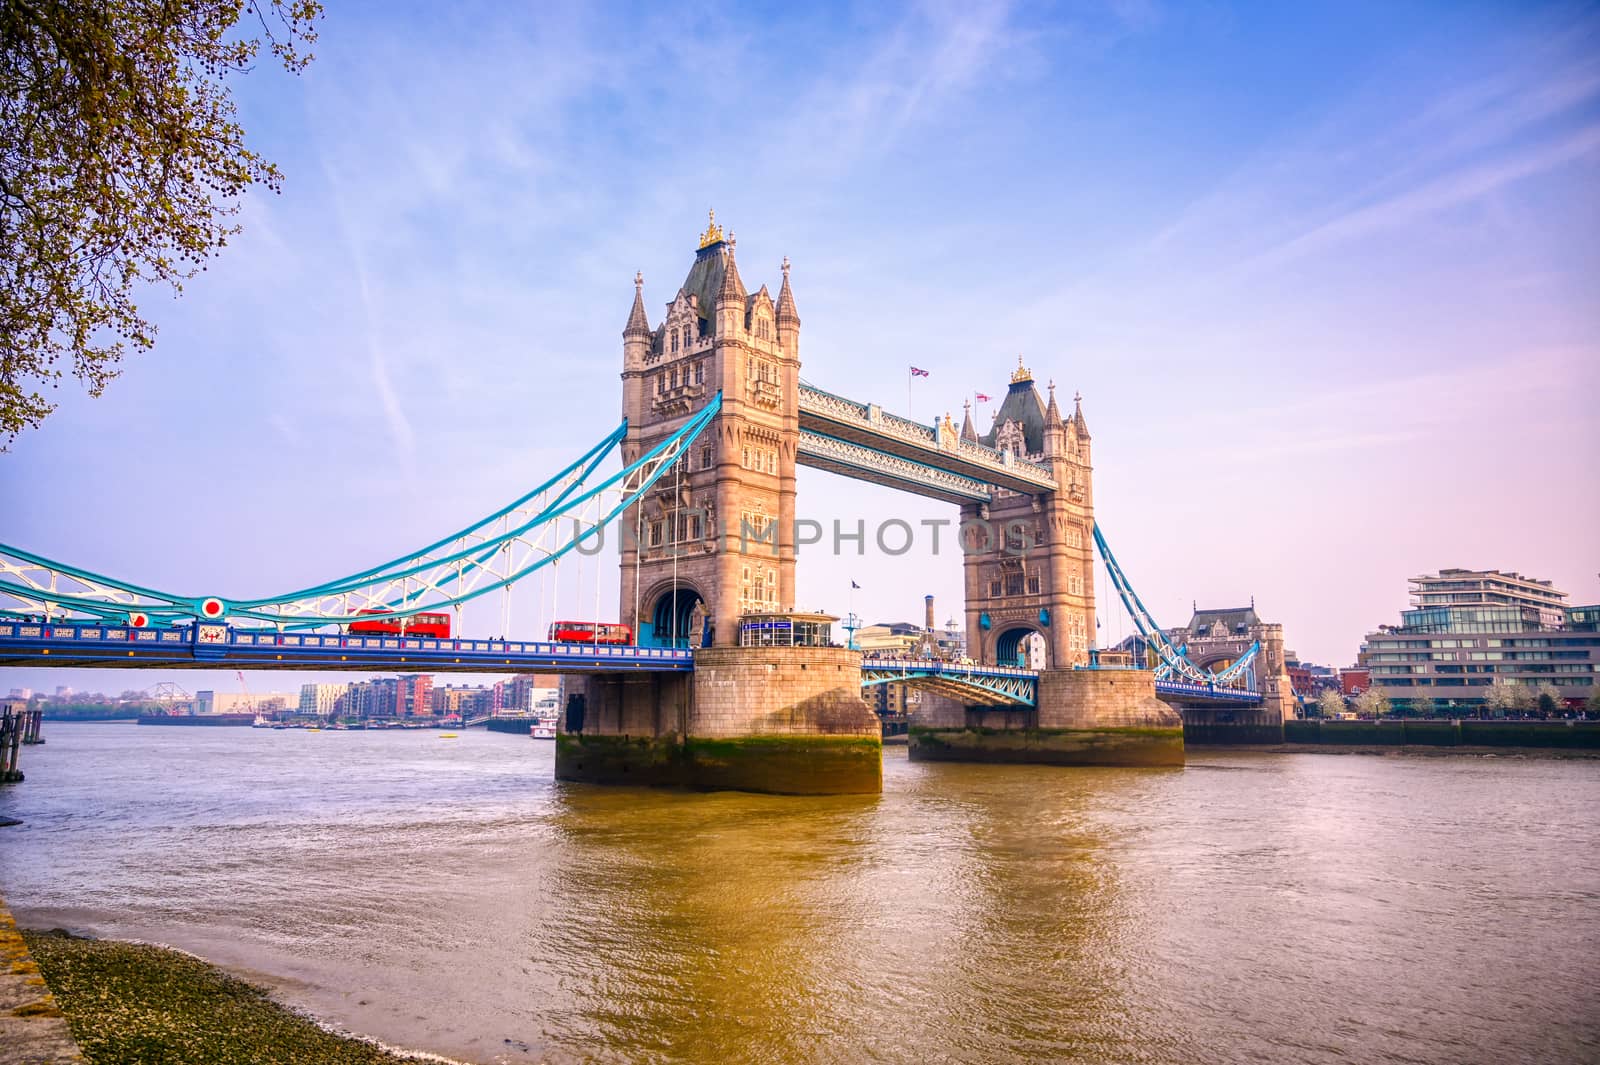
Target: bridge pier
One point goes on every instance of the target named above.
(783, 720)
(1106, 717)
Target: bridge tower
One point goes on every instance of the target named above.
(712, 542)
(1029, 571)
(1029, 559)
(715, 539)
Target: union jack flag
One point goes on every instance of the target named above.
(918, 373)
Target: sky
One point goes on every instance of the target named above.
(1326, 275)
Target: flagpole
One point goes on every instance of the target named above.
(911, 411)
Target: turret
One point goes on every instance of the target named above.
(730, 296)
(636, 334)
(968, 433)
(1055, 431)
(788, 317)
(1081, 427)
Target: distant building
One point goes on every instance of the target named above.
(215, 702)
(1467, 629)
(463, 700)
(1354, 681)
(518, 694)
(896, 638)
(1310, 680)
(377, 697)
(321, 699)
(414, 696)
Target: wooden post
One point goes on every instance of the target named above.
(10, 738)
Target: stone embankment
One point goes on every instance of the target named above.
(1575, 736)
(33, 1030)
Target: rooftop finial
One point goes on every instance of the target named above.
(713, 233)
(1021, 373)
(638, 280)
(785, 266)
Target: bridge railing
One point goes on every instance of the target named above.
(1207, 691)
(218, 637)
(941, 665)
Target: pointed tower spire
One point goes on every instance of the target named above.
(732, 285)
(786, 308)
(967, 431)
(1077, 415)
(638, 323)
(1055, 430)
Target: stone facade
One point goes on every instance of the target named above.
(715, 538)
(780, 691)
(789, 720)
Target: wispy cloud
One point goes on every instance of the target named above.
(400, 430)
(1453, 190)
(1375, 160)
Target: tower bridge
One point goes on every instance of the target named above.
(715, 421)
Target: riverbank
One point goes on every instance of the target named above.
(32, 1028)
(134, 1003)
(1396, 750)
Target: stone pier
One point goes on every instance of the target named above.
(1107, 717)
(785, 720)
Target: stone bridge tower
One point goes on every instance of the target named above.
(715, 538)
(1029, 559)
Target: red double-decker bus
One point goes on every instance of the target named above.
(590, 632)
(436, 626)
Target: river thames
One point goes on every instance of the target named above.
(449, 895)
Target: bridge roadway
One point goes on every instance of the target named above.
(208, 646)
(220, 646)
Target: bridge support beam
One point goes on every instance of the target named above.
(1107, 717)
(784, 720)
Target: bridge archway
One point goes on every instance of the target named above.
(676, 616)
(1022, 646)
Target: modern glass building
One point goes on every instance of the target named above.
(1468, 628)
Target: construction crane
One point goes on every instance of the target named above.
(249, 700)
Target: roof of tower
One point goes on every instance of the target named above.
(1077, 415)
(1235, 621)
(967, 431)
(705, 277)
(786, 307)
(1052, 413)
(1023, 406)
(638, 321)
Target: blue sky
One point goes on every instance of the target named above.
(1328, 278)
